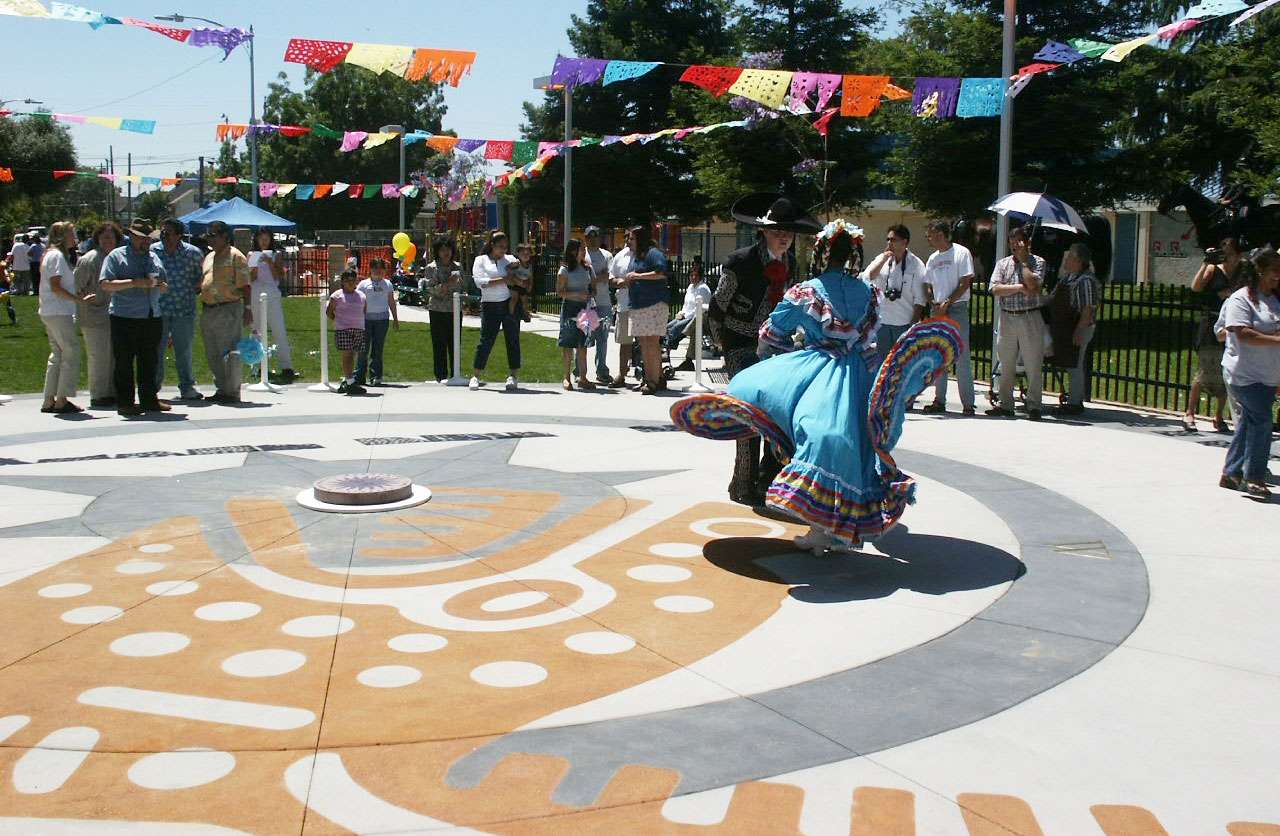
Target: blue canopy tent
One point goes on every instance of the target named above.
(199, 213)
(236, 212)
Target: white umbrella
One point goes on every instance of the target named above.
(1042, 208)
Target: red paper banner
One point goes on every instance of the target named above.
(499, 149)
(321, 56)
(715, 80)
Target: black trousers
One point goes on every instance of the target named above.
(754, 468)
(135, 343)
(442, 344)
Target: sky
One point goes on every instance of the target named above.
(136, 74)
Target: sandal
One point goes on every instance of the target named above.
(1189, 423)
(67, 408)
(586, 385)
(1257, 490)
(568, 384)
(1220, 426)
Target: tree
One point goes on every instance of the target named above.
(1064, 129)
(1207, 112)
(620, 184)
(347, 98)
(34, 147)
(815, 35)
(154, 206)
(779, 150)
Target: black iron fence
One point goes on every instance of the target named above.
(1142, 351)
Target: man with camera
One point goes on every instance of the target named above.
(1222, 272)
(899, 276)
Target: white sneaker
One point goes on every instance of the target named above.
(474, 384)
(511, 383)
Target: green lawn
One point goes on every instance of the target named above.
(24, 351)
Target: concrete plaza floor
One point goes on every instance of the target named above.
(1072, 632)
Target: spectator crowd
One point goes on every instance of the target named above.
(131, 296)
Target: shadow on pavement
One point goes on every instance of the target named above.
(925, 563)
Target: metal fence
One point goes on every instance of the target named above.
(1142, 353)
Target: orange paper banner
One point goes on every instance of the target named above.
(443, 144)
(448, 65)
(861, 94)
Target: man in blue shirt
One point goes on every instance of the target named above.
(135, 279)
(181, 262)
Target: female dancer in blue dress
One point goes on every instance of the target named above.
(827, 406)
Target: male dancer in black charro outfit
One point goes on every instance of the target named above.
(752, 281)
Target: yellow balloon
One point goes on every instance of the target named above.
(401, 242)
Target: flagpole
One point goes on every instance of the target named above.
(1003, 186)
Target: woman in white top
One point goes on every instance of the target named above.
(1251, 370)
(58, 312)
(489, 272)
(266, 269)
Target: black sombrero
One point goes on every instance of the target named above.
(773, 211)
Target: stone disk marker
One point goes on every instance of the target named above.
(363, 489)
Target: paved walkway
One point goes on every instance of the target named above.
(1072, 632)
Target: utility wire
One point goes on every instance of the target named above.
(149, 89)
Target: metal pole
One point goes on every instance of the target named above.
(253, 120)
(264, 385)
(200, 200)
(457, 379)
(323, 385)
(1006, 123)
(128, 169)
(568, 165)
(697, 385)
(401, 184)
(111, 167)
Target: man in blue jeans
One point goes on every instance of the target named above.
(599, 259)
(181, 262)
(948, 274)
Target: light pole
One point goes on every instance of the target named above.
(253, 98)
(544, 83)
(398, 130)
(1006, 123)
(4, 102)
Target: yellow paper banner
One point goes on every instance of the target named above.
(285, 189)
(768, 87)
(374, 140)
(23, 8)
(381, 58)
(113, 122)
(1121, 51)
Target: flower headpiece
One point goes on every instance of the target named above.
(822, 241)
(841, 225)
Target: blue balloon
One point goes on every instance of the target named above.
(250, 350)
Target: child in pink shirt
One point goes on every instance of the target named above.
(346, 309)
